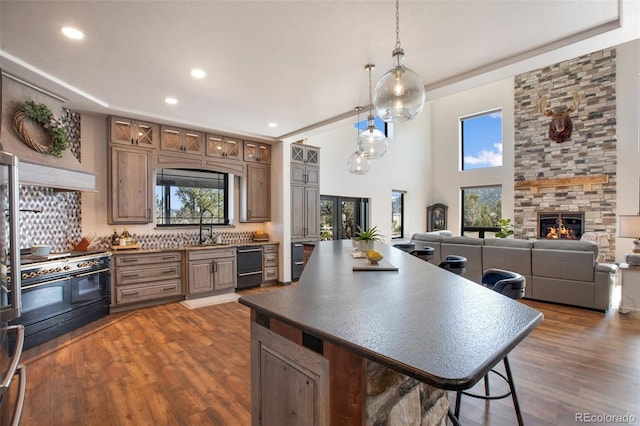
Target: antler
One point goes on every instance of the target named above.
(576, 102)
(543, 107)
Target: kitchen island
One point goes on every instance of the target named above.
(335, 348)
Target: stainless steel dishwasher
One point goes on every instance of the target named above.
(249, 265)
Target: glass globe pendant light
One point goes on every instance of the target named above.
(399, 95)
(372, 142)
(357, 163)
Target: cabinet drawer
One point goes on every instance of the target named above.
(270, 248)
(211, 254)
(145, 259)
(270, 274)
(270, 259)
(131, 275)
(142, 292)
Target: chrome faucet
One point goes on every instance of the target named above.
(200, 239)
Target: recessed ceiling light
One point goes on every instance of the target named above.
(197, 73)
(72, 33)
(272, 125)
(171, 101)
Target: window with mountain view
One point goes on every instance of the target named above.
(397, 214)
(184, 196)
(481, 140)
(481, 211)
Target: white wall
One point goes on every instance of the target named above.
(628, 135)
(447, 176)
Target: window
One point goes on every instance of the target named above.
(341, 216)
(481, 211)
(481, 140)
(397, 214)
(183, 195)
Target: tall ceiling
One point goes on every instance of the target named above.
(296, 63)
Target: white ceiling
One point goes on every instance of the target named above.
(297, 63)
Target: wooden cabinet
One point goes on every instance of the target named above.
(256, 152)
(255, 197)
(305, 154)
(269, 263)
(305, 175)
(289, 383)
(130, 184)
(125, 131)
(211, 271)
(181, 140)
(305, 193)
(147, 277)
(224, 147)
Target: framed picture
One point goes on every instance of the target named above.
(437, 217)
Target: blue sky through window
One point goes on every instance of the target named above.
(482, 141)
(377, 123)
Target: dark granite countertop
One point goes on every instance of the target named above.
(421, 320)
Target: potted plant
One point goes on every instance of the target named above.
(506, 228)
(367, 237)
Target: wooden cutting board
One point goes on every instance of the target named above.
(364, 265)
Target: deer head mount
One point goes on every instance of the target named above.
(561, 125)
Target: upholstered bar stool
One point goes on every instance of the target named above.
(425, 253)
(455, 264)
(408, 247)
(510, 284)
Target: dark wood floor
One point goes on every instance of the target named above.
(168, 365)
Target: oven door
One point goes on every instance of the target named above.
(90, 286)
(45, 300)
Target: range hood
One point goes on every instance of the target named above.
(36, 168)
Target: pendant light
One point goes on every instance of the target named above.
(399, 95)
(357, 163)
(372, 143)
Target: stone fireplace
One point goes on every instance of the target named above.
(560, 225)
(575, 177)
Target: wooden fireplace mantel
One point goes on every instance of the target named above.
(585, 181)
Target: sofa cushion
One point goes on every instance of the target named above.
(471, 248)
(563, 264)
(572, 245)
(429, 240)
(509, 258)
(576, 293)
(508, 242)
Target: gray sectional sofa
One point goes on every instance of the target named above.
(560, 271)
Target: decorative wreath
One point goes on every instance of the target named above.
(43, 115)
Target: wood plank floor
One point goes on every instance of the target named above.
(168, 365)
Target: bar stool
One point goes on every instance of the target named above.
(510, 284)
(455, 264)
(408, 247)
(425, 253)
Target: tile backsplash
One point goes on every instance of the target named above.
(49, 216)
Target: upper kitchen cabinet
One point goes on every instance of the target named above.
(255, 197)
(130, 185)
(305, 154)
(181, 140)
(132, 132)
(257, 152)
(224, 147)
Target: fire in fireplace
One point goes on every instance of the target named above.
(561, 225)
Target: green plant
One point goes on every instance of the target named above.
(370, 234)
(506, 228)
(43, 115)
